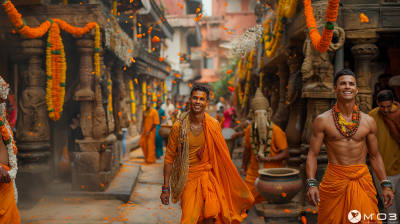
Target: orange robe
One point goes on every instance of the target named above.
(8, 208)
(214, 188)
(148, 143)
(343, 189)
(278, 142)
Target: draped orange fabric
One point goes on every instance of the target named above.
(214, 188)
(195, 144)
(8, 208)
(347, 188)
(148, 143)
(278, 142)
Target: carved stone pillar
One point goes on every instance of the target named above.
(33, 132)
(85, 95)
(363, 53)
(121, 120)
(94, 154)
(110, 116)
(298, 110)
(281, 116)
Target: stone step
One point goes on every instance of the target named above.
(125, 181)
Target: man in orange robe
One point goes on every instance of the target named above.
(278, 150)
(202, 174)
(346, 193)
(148, 139)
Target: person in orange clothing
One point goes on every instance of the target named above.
(148, 139)
(346, 193)
(8, 165)
(271, 156)
(201, 172)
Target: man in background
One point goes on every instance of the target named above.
(387, 117)
(168, 109)
(148, 139)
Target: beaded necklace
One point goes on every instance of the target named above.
(347, 129)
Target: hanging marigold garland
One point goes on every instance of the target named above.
(286, 9)
(55, 55)
(144, 95)
(133, 103)
(321, 43)
(249, 66)
(110, 107)
(114, 10)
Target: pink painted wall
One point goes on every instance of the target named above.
(173, 8)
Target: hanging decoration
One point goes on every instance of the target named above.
(144, 95)
(110, 107)
(165, 92)
(347, 129)
(321, 42)
(154, 98)
(65, 2)
(249, 66)
(56, 65)
(115, 10)
(261, 73)
(133, 103)
(286, 9)
(255, 137)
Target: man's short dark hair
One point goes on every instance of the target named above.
(202, 89)
(168, 99)
(385, 95)
(345, 71)
(384, 76)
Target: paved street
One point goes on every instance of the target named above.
(143, 207)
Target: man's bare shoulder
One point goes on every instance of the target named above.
(324, 117)
(370, 120)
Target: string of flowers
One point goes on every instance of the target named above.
(144, 95)
(63, 77)
(114, 10)
(249, 66)
(55, 55)
(165, 92)
(154, 97)
(321, 42)
(261, 73)
(133, 103)
(255, 144)
(110, 107)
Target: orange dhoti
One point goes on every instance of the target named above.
(344, 189)
(148, 143)
(214, 189)
(8, 208)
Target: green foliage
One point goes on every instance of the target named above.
(220, 87)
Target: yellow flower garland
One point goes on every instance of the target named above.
(154, 97)
(165, 92)
(49, 81)
(286, 9)
(133, 103)
(63, 75)
(115, 3)
(97, 50)
(144, 95)
(110, 107)
(249, 65)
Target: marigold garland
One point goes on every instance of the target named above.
(114, 11)
(133, 103)
(144, 95)
(55, 55)
(249, 66)
(321, 43)
(110, 108)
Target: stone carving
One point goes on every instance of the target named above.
(298, 109)
(32, 123)
(85, 95)
(317, 68)
(121, 115)
(363, 54)
(281, 116)
(99, 116)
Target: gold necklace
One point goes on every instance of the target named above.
(195, 131)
